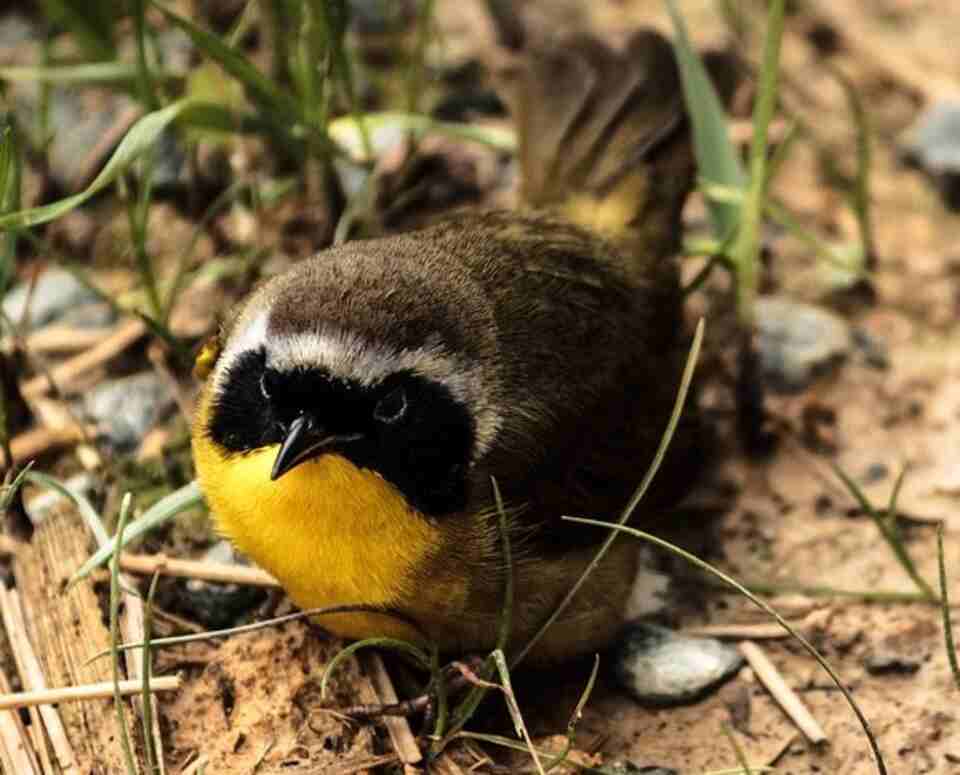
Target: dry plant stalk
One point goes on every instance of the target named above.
(64, 375)
(792, 705)
(147, 565)
(37, 441)
(101, 691)
(33, 679)
(16, 747)
(404, 743)
(66, 628)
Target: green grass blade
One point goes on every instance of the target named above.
(10, 185)
(91, 22)
(160, 513)
(141, 138)
(89, 515)
(888, 529)
(262, 91)
(747, 249)
(945, 608)
(717, 157)
(115, 640)
(146, 86)
(860, 195)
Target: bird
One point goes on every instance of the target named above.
(368, 418)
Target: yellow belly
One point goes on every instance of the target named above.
(331, 533)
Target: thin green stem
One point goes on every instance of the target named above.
(115, 638)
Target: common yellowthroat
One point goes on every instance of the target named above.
(356, 407)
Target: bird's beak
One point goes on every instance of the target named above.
(303, 441)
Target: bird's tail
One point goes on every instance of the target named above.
(603, 137)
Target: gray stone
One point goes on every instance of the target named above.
(98, 315)
(125, 409)
(15, 30)
(886, 661)
(798, 343)
(55, 294)
(216, 605)
(660, 667)
(934, 141)
(933, 144)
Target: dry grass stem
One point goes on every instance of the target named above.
(147, 565)
(17, 748)
(401, 736)
(38, 441)
(792, 705)
(62, 339)
(756, 631)
(32, 677)
(67, 373)
(98, 691)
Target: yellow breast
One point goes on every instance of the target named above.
(330, 532)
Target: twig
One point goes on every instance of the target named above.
(792, 705)
(30, 444)
(15, 744)
(62, 339)
(97, 691)
(66, 373)
(32, 676)
(147, 565)
(404, 743)
(759, 631)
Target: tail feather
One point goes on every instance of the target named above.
(603, 136)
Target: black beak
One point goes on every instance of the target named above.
(303, 441)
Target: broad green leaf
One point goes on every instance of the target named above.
(716, 156)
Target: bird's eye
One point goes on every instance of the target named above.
(392, 407)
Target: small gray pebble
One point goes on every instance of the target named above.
(15, 30)
(883, 661)
(798, 342)
(55, 294)
(99, 315)
(125, 409)
(213, 604)
(933, 144)
(876, 472)
(872, 348)
(660, 667)
(934, 141)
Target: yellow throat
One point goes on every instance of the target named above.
(330, 532)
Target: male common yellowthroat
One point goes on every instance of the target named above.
(356, 407)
